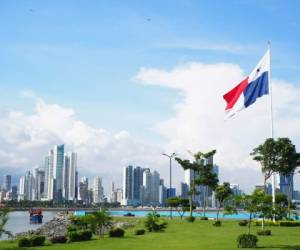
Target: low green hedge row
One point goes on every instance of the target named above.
(116, 232)
(32, 241)
(80, 235)
(247, 241)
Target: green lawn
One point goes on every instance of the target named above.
(182, 235)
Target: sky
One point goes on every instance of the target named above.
(121, 82)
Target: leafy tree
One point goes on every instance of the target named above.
(206, 176)
(223, 192)
(180, 204)
(101, 221)
(278, 156)
(266, 155)
(3, 220)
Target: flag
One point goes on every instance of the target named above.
(252, 87)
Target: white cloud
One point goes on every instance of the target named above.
(26, 139)
(198, 122)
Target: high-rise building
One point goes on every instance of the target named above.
(7, 183)
(27, 187)
(147, 187)
(183, 190)
(286, 185)
(155, 188)
(73, 181)
(98, 190)
(14, 193)
(58, 167)
(66, 176)
(84, 190)
(162, 194)
(39, 183)
(76, 186)
(128, 178)
(137, 182)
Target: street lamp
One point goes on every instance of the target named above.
(171, 156)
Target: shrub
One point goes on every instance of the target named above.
(58, 239)
(264, 233)
(154, 224)
(243, 223)
(247, 241)
(289, 223)
(24, 242)
(139, 231)
(37, 241)
(82, 235)
(203, 218)
(190, 219)
(217, 223)
(116, 232)
(71, 228)
(267, 223)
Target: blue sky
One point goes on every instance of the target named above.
(85, 54)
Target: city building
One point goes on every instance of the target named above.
(98, 190)
(27, 187)
(128, 177)
(58, 167)
(39, 176)
(286, 185)
(6, 183)
(183, 190)
(84, 190)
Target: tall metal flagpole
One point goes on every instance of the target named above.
(272, 127)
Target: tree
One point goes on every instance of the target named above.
(3, 221)
(223, 192)
(101, 221)
(278, 156)
(180, 204)
(266, 155)
(153, 222)
(202, 166)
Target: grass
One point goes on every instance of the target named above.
(182, 235)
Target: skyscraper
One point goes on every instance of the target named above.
(137, 182)
(84, 190)
(39, 183)
(98, 190)
(66, 174)
(155, 188)
(73, 181)
(183, 190)
(58, 166)
(128, 178)
(27, 187)
(286, 185)
(7, 183)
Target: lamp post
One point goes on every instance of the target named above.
(171, 156)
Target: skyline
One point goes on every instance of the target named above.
(122, 83)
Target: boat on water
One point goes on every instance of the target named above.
(36, 216)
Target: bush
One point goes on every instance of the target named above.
(31, 242)
(58, 239)
(139, 231)
(190, 219)
(116, 232)
(203, 218)
(82, 235)
(289, 223)
(247, 241)
(243, 223)
(264, 233)
(71, 229)
(37, 241)
(217, 223)
(267, 223)
(154, 224)
(24, 242)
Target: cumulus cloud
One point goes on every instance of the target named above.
(27, 139)
(199, 122)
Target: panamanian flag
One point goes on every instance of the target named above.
(252, 87)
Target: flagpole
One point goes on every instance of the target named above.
(272, 128)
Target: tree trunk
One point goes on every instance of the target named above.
(219, 207)
(191, 205)
(249, 224)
